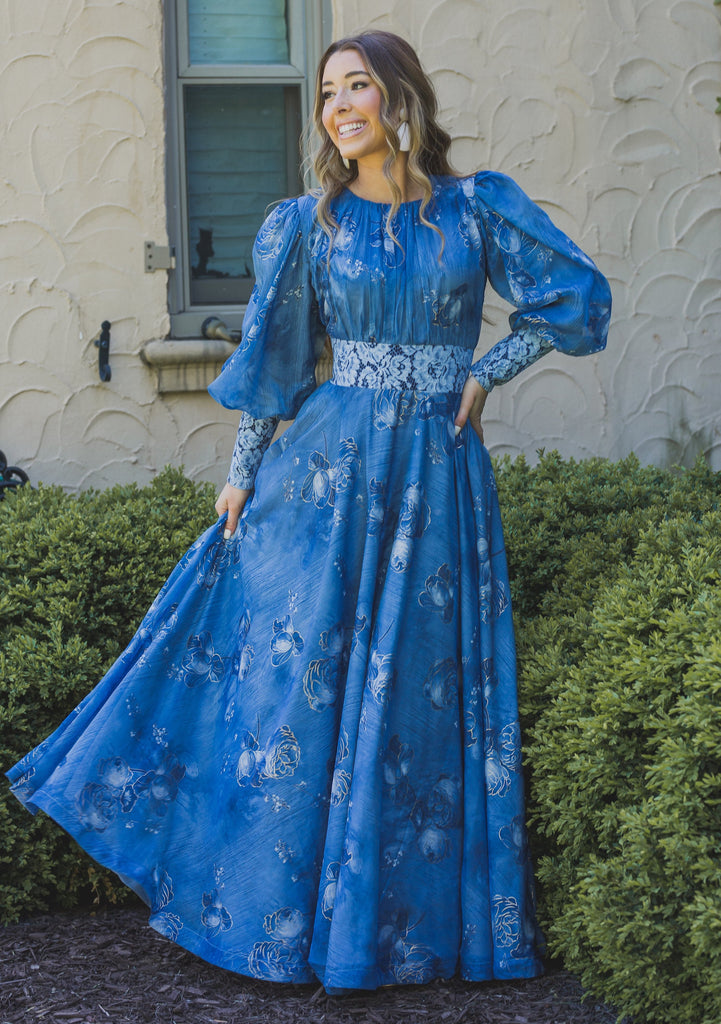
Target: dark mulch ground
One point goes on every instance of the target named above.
(111, 966)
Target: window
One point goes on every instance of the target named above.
(240, 86)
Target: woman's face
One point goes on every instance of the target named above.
(351, 109)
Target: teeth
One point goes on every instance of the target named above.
(347, 128)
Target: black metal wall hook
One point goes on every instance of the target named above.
(103, 345)
(10, 476)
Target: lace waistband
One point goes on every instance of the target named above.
(435, 368)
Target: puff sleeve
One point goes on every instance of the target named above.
(561, 298)
(272, 371)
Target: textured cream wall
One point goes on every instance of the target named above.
(603, 110)
(81, 189)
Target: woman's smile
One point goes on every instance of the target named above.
(350, 128)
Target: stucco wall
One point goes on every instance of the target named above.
(83, 187)
(603, 110)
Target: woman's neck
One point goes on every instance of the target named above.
(372, 183)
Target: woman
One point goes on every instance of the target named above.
(307, 761)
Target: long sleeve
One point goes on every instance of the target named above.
(562, 300)
(254, 436)
(272, 371)
(508, 357)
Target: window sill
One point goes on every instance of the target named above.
(187, 365)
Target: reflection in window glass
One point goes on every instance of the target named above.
(238, 140)
(237, 32)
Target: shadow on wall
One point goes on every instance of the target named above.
(681, 444)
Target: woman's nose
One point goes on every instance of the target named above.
(341, 100)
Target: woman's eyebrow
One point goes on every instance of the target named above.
(349, 75)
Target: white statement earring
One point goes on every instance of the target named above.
(346, 162)
(404, 134)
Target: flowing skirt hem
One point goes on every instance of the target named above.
(339, 981)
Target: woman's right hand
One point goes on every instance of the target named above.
(231, 500)
(473, 400)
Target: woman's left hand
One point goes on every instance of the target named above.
(473, 399)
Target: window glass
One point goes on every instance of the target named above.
(240, 83)
(241, 156)
(237, 32)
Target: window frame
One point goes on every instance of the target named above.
(309, 32)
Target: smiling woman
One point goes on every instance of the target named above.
(308, 759)
(375, 115)
(351, 110)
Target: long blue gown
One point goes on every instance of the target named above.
(307, 761)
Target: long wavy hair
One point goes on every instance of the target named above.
(394, 67)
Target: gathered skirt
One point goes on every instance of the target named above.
(307, 761)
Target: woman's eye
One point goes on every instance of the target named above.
(325, 96)
(359, 85)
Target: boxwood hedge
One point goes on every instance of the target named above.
(617, 576)
(617, 600)
(77, 573)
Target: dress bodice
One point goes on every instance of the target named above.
(425, 287)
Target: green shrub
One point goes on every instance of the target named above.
(570, 524)
(77, 574)
(617, 600)
(620, 683)
(570, 527)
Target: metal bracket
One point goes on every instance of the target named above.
(103, 346)
(10, 476)
(158, 257)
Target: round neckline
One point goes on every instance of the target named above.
(373, 202)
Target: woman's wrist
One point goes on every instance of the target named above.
(509, 357)
(254, 436)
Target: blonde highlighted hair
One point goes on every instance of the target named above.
(394, 67)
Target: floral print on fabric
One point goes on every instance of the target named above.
(308, 759)
(202, 664)
(277, 759)
(163, 920)
(324, 675)
(506, 921)
(286, 641)
(282, 956)
(440, 686)
(434, 814)
(219, 557)
(324, 479)
(120, 787)
(381, 676)
(406, 961)
(215, 916)
(439, 591)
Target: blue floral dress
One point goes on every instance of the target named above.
(307, 761)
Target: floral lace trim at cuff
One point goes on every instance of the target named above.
(507, 358)
(253, 438)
